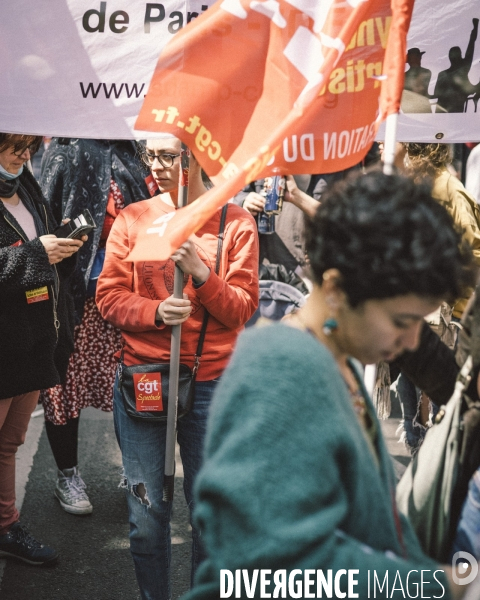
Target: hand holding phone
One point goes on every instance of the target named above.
(81, 225)
(58, 249)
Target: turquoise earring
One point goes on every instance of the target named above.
(330, 326)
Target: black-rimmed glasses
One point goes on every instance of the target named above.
(165, 158)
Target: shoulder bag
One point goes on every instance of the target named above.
(431, 492)
(144, 387)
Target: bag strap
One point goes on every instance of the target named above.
(203, 330)
(461, 384)
(206, 315)
(464, 377)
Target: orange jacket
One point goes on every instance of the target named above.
(128, 294)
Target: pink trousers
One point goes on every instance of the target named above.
(14, 419)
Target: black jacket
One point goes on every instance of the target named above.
(433, 367)
(76, 175)
(34, 354)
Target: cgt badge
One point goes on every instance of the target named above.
(148, 391)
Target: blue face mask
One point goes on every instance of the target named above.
(5, 175)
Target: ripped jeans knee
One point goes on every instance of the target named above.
(149, 515)
(138, 490)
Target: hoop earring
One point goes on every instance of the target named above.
(330, 325)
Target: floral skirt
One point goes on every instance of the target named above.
(91, 370)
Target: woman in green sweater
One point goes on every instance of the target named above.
(296, 496)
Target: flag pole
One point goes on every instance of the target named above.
(169, 474)
(390, 143)
(370, 374)
(391, 98)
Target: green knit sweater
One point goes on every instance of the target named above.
(289, 481)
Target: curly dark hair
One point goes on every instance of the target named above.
(427, 160)
(20, 142)
(388, 237)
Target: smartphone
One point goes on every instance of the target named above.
(82, 224)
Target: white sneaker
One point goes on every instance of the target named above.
(70, 492)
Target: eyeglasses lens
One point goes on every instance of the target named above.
(166, 160)
(18, 151)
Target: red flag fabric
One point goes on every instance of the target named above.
(267, 87)
(395, 55)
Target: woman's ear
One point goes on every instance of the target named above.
(332, 288)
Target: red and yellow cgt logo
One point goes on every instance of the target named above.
(148, 391)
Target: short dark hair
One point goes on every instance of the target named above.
(388, 237)
(20, 142)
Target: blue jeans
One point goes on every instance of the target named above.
(409, 396)
(143, 455)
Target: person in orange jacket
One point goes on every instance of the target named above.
(138, 299)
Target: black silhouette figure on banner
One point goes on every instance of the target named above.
(453, 86)
(415, 98)
(417, 78)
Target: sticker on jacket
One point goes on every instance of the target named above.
(148, 391)
(151, 185)
(37, 295)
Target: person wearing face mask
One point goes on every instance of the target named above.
(138, 299)
(296, 473)
(36, 324)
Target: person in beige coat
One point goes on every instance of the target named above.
(432, 160)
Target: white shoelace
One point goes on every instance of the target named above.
(75, 488)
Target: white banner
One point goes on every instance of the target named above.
(442, 77)
(81, 68)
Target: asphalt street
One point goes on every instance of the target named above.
(95, 562)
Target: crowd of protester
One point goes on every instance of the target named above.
(285, 466)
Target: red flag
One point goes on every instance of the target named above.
(392, 87)
(262, 87)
